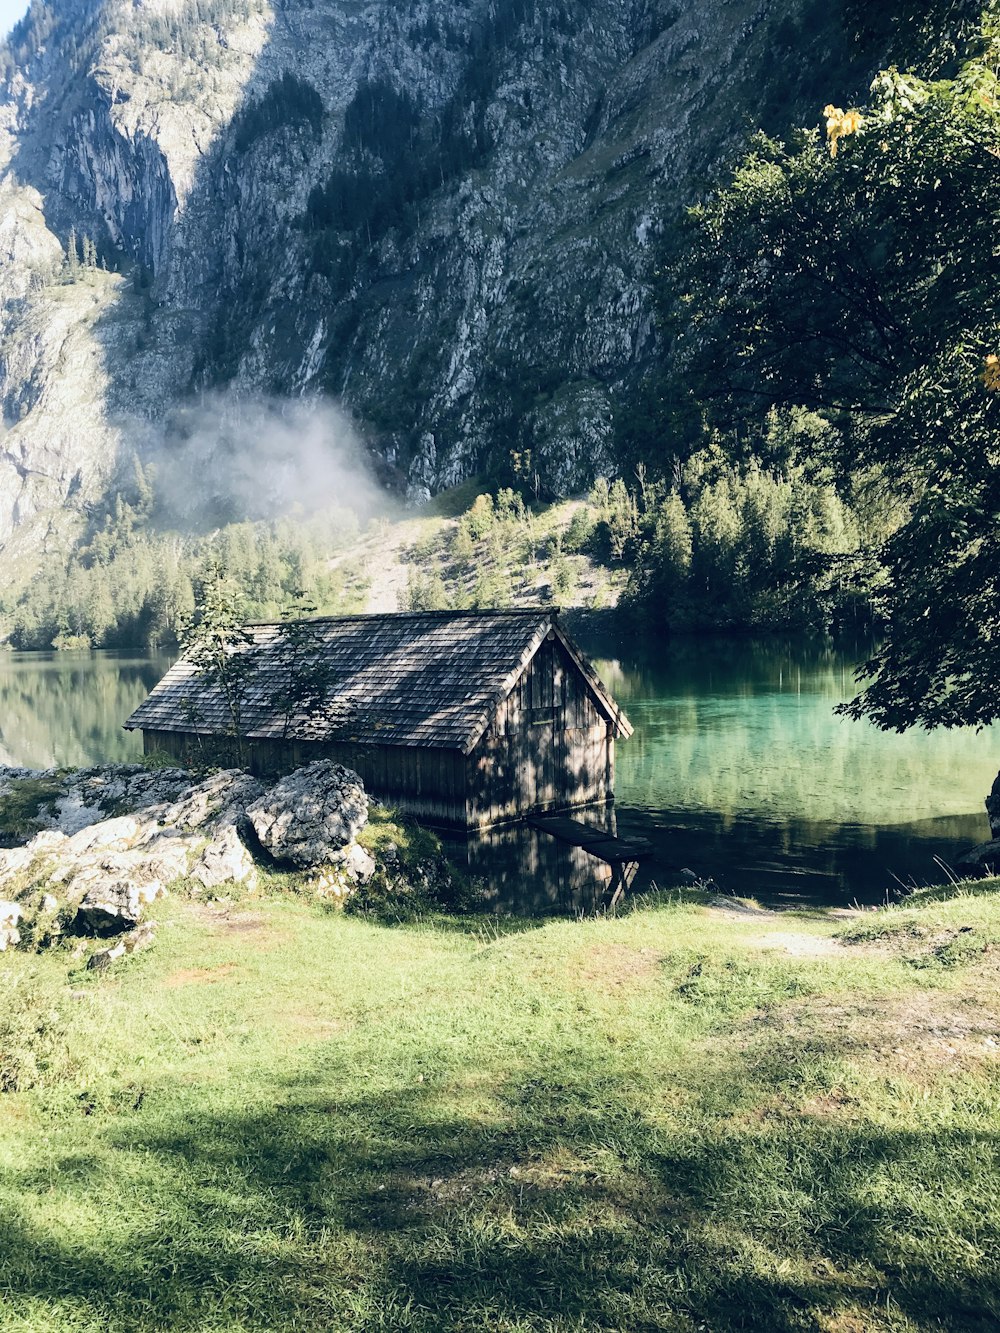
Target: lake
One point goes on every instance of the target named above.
(739, 771)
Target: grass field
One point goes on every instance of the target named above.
(681, 1119)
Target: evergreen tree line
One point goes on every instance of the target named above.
(746, 545)
(849, 277)
(131, 586)
(81, 253)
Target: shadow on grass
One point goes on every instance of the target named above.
(559, 1206)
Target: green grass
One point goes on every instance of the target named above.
(21, 805)
(281, 1118)
(385, 828)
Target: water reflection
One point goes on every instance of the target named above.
(738, 770)
(526, 871)
(67, 709)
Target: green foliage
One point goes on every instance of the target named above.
(563, 580)
(219, 647)
(581, 529)
(745, 545)
(130, 585)
(413, 878)
(493, 553)
(157, 759)
(388, 832)
(425, 591)
(21, 805)
(940, 661)
(857, 280)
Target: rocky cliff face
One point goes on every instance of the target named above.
(440, 211)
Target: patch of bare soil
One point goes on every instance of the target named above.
(797, 943)
(913, 1034)
(244, 923)
(198, 976)
(234, 921)
(770, 933)
(528, 1180)
(382, 556)
(307, 1026)
(613, 966)
(844, 1323)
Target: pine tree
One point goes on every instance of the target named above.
(72, 253)
(674, 546)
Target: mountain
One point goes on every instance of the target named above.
(442, 213)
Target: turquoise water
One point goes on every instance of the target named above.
(741, 771)
(738, 771)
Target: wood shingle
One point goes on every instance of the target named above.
(424, 679)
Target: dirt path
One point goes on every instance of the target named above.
(769, 929)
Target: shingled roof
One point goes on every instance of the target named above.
(422, 678)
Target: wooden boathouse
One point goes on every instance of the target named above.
(464, 719)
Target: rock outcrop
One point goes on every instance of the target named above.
(113, 905)
(981, 860)
(136, 940)
(312, 817)
(225, 861)
(10, 915)
(985, 859)
(446, 213)
(993, 809)
(120, 836)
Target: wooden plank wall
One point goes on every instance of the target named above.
(549, 747)
(425, 782)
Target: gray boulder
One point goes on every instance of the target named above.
(114, 905)
(312, 815)
(220, 800)
(140, 938)
(356, 863)
(112, 834)
(225, 861)
(159, 863)
(13, 862)
(10, 915)
(92, 794)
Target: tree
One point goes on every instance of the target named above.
(308, 676)
(940, 662)
(861, 284)
(218, 645)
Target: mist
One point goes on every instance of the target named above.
(225, 459)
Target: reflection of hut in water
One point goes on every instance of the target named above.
(526, 870)
(464, 719)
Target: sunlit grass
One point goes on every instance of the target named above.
(679, 1119)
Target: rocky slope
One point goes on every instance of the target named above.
(441, 212)
(110, 841)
